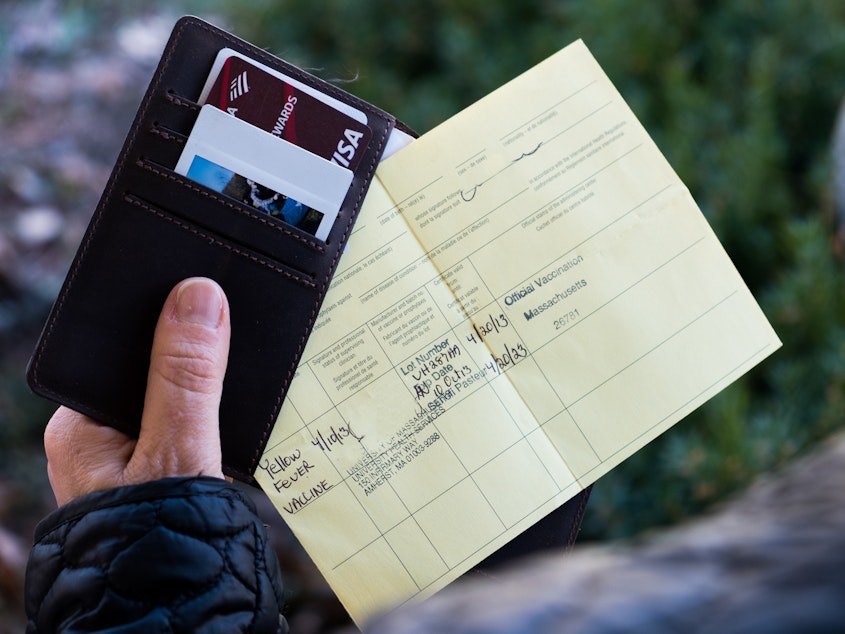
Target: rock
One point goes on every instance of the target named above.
(771, 560)
(38, 226)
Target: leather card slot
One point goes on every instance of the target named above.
(301, 277)
(227, 216)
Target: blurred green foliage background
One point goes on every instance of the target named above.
(741, 96)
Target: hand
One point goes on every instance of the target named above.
(180, 424)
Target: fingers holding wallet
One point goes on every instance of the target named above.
(180, 424)
(179, 433)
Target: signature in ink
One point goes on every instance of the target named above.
(467, 195)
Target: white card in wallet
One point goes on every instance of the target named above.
(264, 172)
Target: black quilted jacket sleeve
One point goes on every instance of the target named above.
(175, 555)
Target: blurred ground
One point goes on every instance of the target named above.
(770, 561)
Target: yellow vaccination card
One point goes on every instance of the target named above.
(529, 297)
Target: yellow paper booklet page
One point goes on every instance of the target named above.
(530, 296)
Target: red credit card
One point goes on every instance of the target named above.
(271, 104)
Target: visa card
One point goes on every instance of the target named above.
(276, 104)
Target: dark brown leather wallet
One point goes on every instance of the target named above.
(153, 228)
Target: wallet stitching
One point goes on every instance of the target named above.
(167, 135)
(578, 518)
(217, 242)
(84, 408)
(176, 100)
(228, 203)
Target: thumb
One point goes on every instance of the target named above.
(180, 433)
